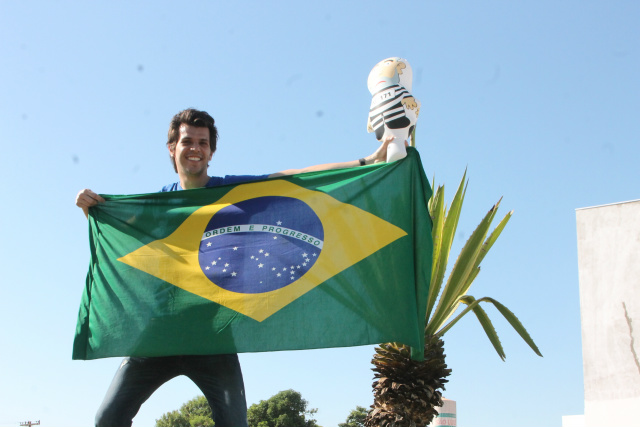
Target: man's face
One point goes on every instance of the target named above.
(192, 152)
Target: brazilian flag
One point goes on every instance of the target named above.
(325, 259)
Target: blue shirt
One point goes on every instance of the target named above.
(216, 181)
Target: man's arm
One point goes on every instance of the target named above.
(380, 155)
(87, 198)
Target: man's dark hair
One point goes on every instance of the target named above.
(196, 118)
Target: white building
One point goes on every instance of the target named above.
(609, 272)
(447, 414)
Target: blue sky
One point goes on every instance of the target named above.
(539, 100)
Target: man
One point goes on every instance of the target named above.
(192, 140)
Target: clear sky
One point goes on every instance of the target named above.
(539, 99)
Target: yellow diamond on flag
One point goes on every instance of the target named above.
(350, 234)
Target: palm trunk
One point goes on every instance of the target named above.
(407, 392)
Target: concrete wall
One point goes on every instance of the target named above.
(609, 272)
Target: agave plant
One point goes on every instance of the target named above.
(406, 392)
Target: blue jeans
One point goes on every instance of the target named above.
(218, 376)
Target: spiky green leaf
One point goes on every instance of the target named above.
(485, 249)
(462, 270)
(516, 324)
(486, 324)
(445, 235)
(508, 315)
(436, 210)
(494, 235)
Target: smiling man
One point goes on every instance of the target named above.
(191, 155)
(192, 140)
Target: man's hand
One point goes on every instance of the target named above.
(86, 199)
(380, 155)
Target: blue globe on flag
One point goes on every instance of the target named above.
(260, 245)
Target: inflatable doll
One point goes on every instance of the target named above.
(394, 111)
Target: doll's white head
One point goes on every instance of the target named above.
(389, 72)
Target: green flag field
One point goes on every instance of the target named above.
(325, 259)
